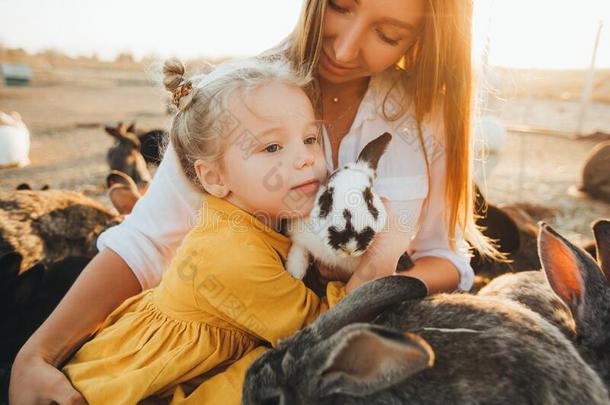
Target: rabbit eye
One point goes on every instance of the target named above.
(326, 202)
(368, 198)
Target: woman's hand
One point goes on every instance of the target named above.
(387, 246)
(35, 381)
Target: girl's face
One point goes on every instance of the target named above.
(365, 37)
(274, 149)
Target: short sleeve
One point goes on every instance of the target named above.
(253, 291)
(148, 237)
(432, 237)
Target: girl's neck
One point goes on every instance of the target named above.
(268, 220)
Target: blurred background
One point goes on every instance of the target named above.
(71, 67)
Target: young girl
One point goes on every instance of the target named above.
(246, 135)
(401, 66)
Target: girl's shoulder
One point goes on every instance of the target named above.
(226, 237)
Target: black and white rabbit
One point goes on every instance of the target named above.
(346, 216)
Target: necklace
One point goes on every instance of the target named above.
(345, 110)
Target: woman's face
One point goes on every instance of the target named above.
(365, 37)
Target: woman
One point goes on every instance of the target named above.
(402, 66)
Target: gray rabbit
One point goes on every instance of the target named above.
(448, 348)
(573, 292)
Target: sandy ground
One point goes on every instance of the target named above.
(67, 109)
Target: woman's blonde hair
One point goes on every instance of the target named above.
(203, 122)
(438, 79)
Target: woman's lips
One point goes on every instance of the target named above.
(333, 67)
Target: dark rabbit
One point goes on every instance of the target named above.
(152, 143)
(514, 228)
(51, 225)
(125, 154)
(444, 349)
(573, 291)
(26, 300)
(29, 297)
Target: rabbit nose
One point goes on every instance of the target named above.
(348, 250)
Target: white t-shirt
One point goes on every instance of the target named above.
(148, 238)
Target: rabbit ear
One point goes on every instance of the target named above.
(367, 301)
(112, 131)
(123, 198)
(121, 128)
(363, 359)
(601, 229)
(373, 151)
(118, 177)
(572, 274)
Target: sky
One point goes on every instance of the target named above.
(557, 34)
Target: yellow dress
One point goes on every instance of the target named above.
(225, 296)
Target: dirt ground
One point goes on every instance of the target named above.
(67, 109)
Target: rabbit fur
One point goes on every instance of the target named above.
(346, 216)
(572, 292)
(446, 348)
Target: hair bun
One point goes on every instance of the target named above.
(173, 74)
(174, 81)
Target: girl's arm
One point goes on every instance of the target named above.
(242, 280)
(102, 286)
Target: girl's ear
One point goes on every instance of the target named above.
(211, 178)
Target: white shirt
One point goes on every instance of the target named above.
(148, 238)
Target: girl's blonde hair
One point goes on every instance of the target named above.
(203, 122)
(438, 78)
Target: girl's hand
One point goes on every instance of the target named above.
(35, 381)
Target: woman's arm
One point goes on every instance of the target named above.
(380, 260)
(102, 286)
(148, 238)
(438, 274)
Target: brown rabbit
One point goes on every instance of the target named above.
(596, 173)
(125, 154)
(51, 225)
